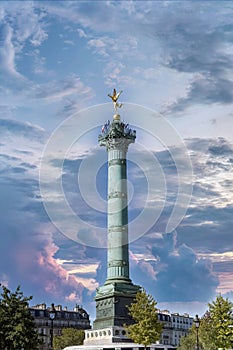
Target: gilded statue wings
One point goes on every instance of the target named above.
(115, 95)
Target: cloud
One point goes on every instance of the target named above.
(205, 90)
(184, 273)
(188, 256)
(115, 74)
(206, 227)
(55, 91)
(29, 23)
(23, 129)
(27, 248)
(211, 199)
(199, 46)
(168, 255)
(7, 53)
(178, 274)
(18, 163)
(82, 33)
(212, 164)
(21, 23)
(166, 32)
(24, 30)
(107, 46)
(33, 245)
(4, 280)
(203, 51)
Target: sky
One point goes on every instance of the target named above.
(173, 60)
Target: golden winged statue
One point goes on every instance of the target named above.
(114, 98)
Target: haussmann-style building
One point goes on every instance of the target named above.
(77, 318)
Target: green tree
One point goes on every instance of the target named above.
(17, 326)
(221, 322)
(216, 328)
(188, 342)
(207, 333)
(146, 328)
(69, 337)
(206, 338)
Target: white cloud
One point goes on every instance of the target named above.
(21, 24)
(7, 54)
(54, 91)
(4, 280)
(82, 33)
(213, 172)
(218, 257)
(28, 23)
(120, 47)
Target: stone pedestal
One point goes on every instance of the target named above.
(112, 300)
(102, 345)
(108, 335)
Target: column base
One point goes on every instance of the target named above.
(112, 300)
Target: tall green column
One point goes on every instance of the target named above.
(118, 256)
(118, 290)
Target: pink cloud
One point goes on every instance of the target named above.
(35, 262)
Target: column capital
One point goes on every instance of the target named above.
(117, 135)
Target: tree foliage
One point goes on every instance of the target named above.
(146, 328)
(69, 337)
(17, 326)
(188, 342)
(221, 317)
(216, 328)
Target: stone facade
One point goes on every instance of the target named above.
(64, 318)
(175, 326)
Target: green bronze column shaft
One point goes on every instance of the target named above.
(118, 258)
(117, 138)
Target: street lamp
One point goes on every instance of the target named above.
(197, 322)
(52, 315)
